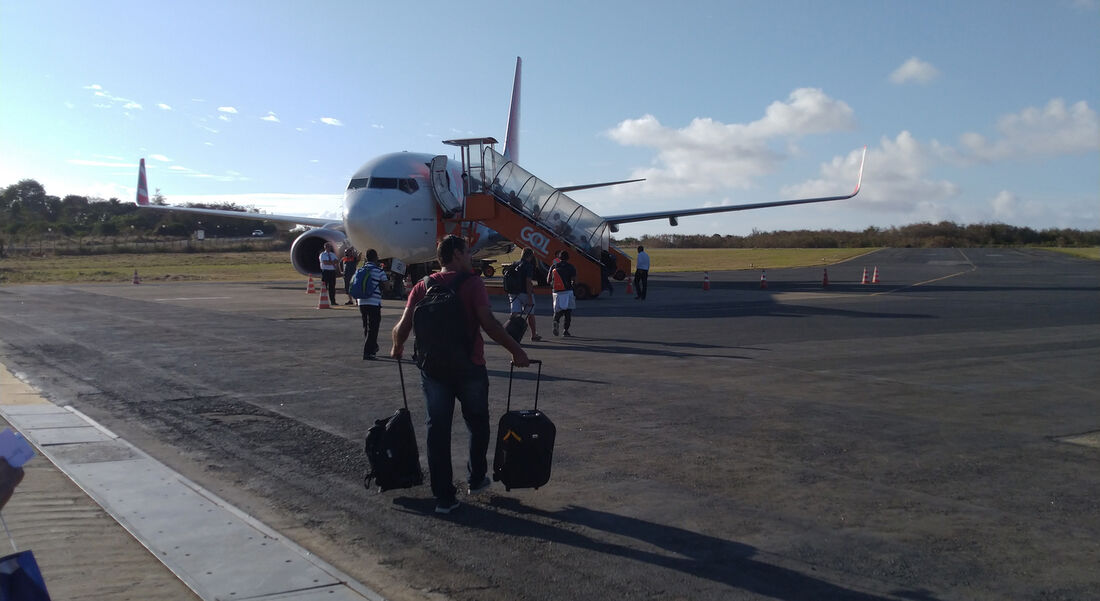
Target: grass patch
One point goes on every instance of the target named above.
(151, 267)
(273, 265)
(665, 260)
(1090, 252)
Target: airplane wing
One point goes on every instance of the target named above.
(287, 219)
(600, 185)
(143, 201)
(673, 214)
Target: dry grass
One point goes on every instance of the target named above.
(245, 266)
(664, 260)
(1092, 252)
(266, 266)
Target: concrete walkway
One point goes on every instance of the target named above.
(106, 521)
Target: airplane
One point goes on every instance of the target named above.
(399, 205)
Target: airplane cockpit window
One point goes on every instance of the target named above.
(407, 185)
(359, 182)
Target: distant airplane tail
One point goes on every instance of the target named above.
(511, 141)
(143, 187)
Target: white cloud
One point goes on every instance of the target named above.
(224, 118)
(270, 117)
(708, 155)
(180, 168)
(112, 100)
(1005, 206)
(896, 178)
(1051, 131)
(914, 70)
(227, 109)
(331, 121)
(161, 158)
(164, 107)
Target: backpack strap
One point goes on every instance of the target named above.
(459, 279)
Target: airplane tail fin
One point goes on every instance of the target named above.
(511, 141)
(142, 187)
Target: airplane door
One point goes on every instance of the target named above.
(441, 186)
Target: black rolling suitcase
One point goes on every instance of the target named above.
(391, 449)
(525, 443)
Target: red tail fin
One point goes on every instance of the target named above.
(143, 187)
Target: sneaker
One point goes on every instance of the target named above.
(445, 507)
(369, 358)
(482, 487)
(536, 338)
(567, 334)
(555, 328)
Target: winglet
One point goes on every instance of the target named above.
(143, 187)
(859, 181)
(511, 140)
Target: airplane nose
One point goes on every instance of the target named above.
(357, 218)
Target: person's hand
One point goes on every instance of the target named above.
(519, 359)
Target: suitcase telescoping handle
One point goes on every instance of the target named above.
(538, 378)
(401, 373)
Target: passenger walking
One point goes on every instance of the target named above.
(330, 266)
(348, 265)
(607, 269)
(641, 274)
(464, 376)
(524, 302)
(370, 308)
(562, 276)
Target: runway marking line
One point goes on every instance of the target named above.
(972, 269)
(191, 298)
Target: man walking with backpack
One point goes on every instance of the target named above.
(448, 310)
(521, 291)
(370, 305)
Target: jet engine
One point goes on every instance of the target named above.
(308, 246)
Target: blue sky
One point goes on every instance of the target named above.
(972, 111)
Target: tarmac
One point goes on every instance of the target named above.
(934, 436)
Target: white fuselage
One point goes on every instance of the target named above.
(388, 206)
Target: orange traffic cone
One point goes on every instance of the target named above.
(763, 280)
(310, 289)
(706, 280)
(874, 278)
(137, 280)
(322, 302)
(825, 279)
(864, 280)
(629, 285)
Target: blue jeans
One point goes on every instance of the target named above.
(472, 391)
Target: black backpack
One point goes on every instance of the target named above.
(442, 345)
(513, 278)
(391, 450)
